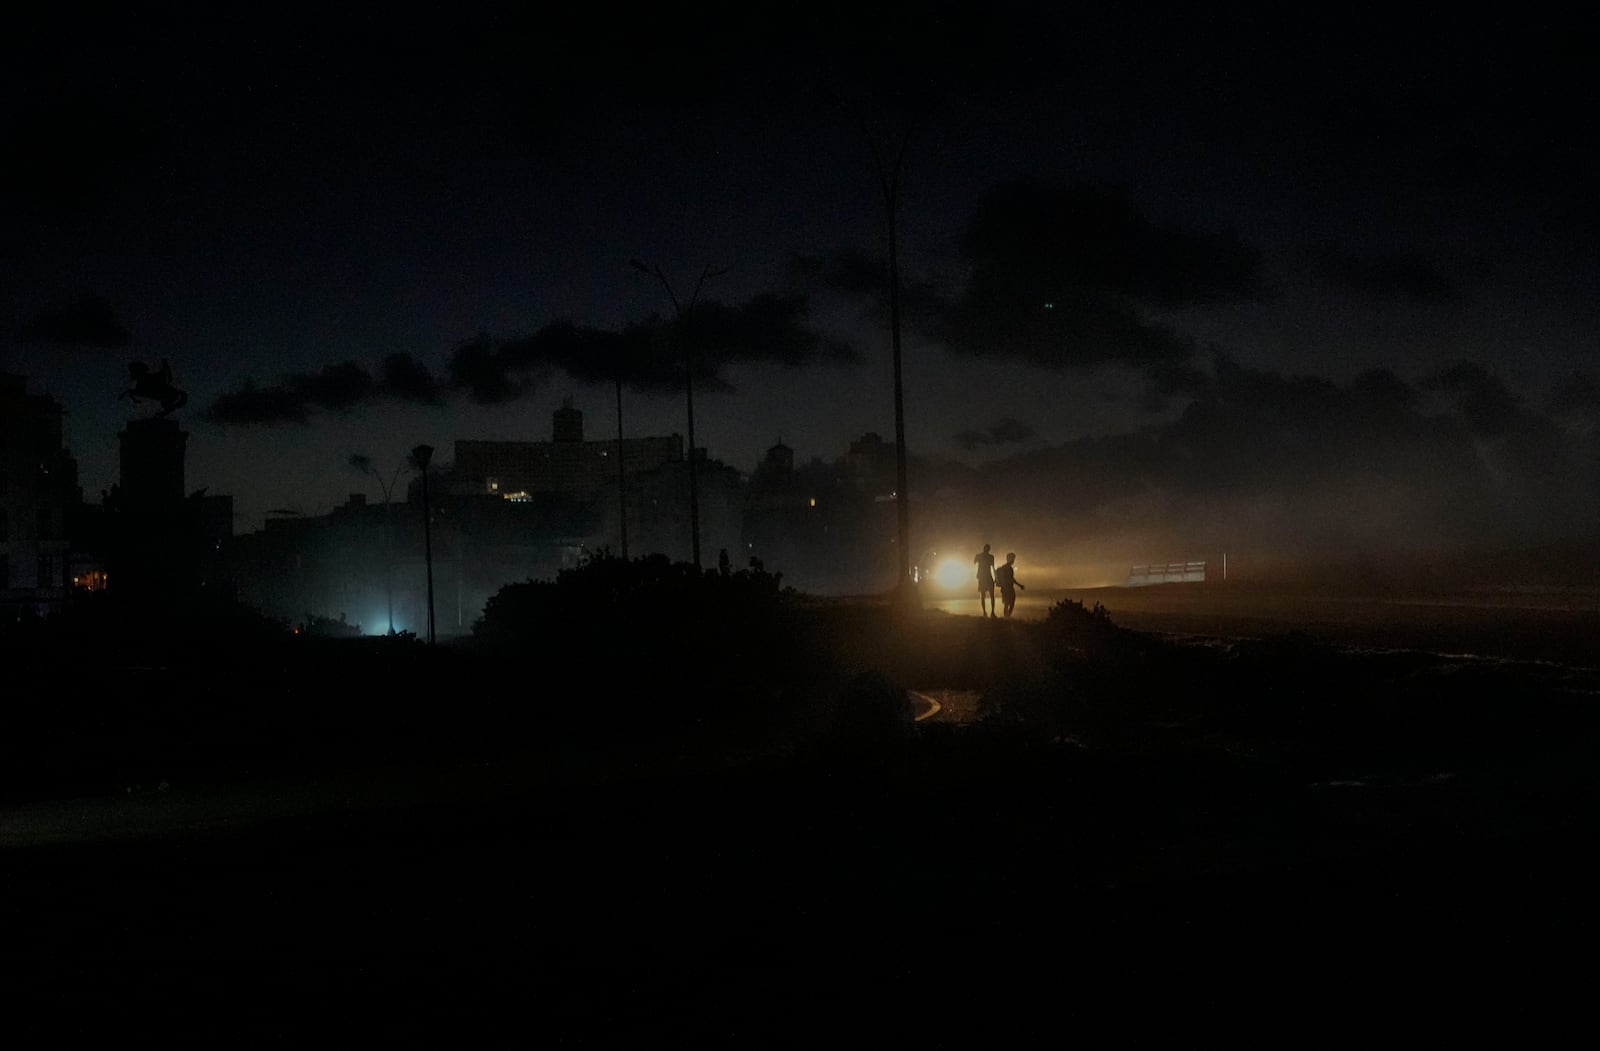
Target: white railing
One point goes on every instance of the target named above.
(1167, 573)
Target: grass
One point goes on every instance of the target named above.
(1137, 835)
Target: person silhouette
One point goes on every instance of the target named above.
(985, 562)
(1006, 578)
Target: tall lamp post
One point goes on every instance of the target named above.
(421, 456)
(681, 312)
(888, 170)
(889, 181)
(622, 474)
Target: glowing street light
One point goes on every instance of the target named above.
(363, 463)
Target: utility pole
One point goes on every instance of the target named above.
(889, 180)
(622, 474)
(421, 456)
(681, 314)
(888, 171)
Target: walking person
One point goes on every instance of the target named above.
(985, 562)
(1006, 578)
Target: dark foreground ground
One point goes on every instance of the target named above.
(1124, 840)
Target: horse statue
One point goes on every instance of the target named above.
(154, 385)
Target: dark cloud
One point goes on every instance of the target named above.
(1168, 379)
(1527, 451)
(1308, 467)
(1007, 431)
(296, 397)
(649, 355)
(1252, 430)
(1487, 405)
(485, 374)
(258, 405)
(1064, 276)
(337, 387)
(407, 379)
(859, 275)
(846, 271)
(1385, 277)
(1578, 395)
(769, 328)
(90, 323)
(1059, 329)
(639, 355)
(1060, 238)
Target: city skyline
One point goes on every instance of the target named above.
(352, 241)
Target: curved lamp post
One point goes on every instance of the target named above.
(681, 313)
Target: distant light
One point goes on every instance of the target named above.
(813, 501)
(1049, 306)
(952, 574)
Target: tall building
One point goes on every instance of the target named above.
(567, 468)
(162, 543)
(39, 496)
(567, 464)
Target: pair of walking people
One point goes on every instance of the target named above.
(990, 577)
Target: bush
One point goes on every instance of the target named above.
(622, 630)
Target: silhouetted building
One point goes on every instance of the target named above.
(822, 525)
(39, 500)
(658, 510)
(364, 564)
(567, 464)
(160, 545)
(504, 512)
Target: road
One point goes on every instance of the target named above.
(1553, 625)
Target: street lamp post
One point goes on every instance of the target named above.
(889, 181)
(421, 456)
(889, 169)
(681, 314)
(622, 475)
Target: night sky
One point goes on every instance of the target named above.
(1177, 283)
